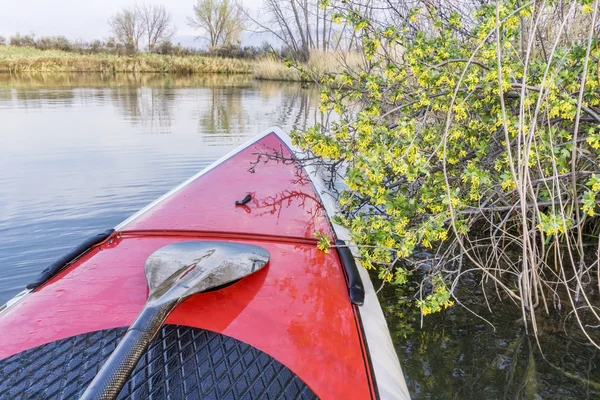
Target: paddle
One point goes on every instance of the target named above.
(174, 273)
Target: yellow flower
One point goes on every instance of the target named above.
(460, 112)
(508, 184)
(588, 210)
(594, 142)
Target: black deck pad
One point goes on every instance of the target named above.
(181, 363)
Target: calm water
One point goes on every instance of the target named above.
(80, 153)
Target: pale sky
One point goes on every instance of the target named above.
(83, 19)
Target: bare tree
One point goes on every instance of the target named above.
(305, 25)
(128, 28)
(301, 25)
(222, 20)
(156, 22)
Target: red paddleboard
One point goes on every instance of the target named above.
(288, 331)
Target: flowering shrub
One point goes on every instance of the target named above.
(472, 135)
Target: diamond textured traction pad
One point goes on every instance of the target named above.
(181, 363)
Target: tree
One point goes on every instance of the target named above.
(128, 28)
(305, 25)
(26, 40)
(223, 20)
(156, 22)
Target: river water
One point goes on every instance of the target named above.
(79, 153)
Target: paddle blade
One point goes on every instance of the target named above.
(174, 272)
(182, 269)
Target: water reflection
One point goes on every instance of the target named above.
(81, 152)
(221, 104)
(152, 108)
(66, 80)
(458, 356)
(224, 113)
(313, 220)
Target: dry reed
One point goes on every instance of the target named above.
(319, 63)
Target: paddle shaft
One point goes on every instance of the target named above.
(115, 372)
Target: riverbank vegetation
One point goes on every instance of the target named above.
(29, 59)
(469, 143)
(26, 59)
(141, 42)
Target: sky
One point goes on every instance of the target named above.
(85, 19)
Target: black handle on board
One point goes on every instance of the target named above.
(68, 258)
(356, 290)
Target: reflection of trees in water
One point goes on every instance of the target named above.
(291, 198)
(148, 98)
(225, 112)
(301, 198)
(233, 111)
(457, 356)
(35, 98)
(150, 107)
(237, 105)
(7, 95)
(298, 108)
(68, 80)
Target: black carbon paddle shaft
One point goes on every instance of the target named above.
(118, 368)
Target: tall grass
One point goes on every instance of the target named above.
(28, 59)
(319, 63)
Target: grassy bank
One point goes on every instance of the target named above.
(27, 59)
